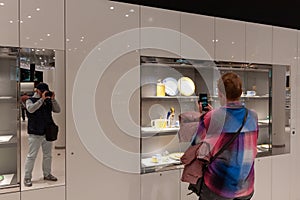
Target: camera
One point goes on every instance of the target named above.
(49, 94)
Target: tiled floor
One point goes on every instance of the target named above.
(58, 164)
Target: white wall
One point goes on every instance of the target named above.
(87, 25)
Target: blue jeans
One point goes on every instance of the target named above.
(34, 142)
(207, 194)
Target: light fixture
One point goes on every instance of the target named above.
(11, 21)
(48, 34)
(111, 7)
(29, 16)
(37, 9)
(2, 4)
(126, 15)
(131, 10)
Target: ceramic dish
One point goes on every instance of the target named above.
(176, 156)
(186, 86)
(171, 88)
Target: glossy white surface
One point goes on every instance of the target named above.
(263, 179)
(258, 43)
(57, 193)
(10, 196)
(284, 46)
(201, 29)
(295, 136)
(230, 40)
(90, 24)
(160, 185)
(160, 19)
(281, 175)
(42, 24)
(9, 31)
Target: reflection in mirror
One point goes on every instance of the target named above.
(36, 66)
(9, 134)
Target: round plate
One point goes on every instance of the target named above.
(186, 86)
(171, 88)
(176, 156)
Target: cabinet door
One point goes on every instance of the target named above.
(284, 46)
(114, 109)
(281, 177)
(160, 32)
(9, 23)
(10, 196)
(258, 43)
(263, 179)
(42, 24)
(197, 36)
(230, 40)
(160, 186)
(295, 137)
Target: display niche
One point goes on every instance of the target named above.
(170, 88)
(9, 124)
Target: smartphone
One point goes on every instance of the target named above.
(204, 101)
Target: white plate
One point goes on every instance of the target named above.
(186, 86)
(171, 88)
(176, 156)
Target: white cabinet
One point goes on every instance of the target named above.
(110, 152)
(263, 179)
(160, 32)
(42, 24)
(10, 196)
(281, 176)
(197, 36)
(258, 43)
(284, 46)
(230, 40)
(160, 186)
(9, 32)
(295, 136)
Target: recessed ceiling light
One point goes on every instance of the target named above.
(29, 16)
(48, 34)
(111, 7)
(126, 15)
(2, 4)
(37, 9)
(131, 10)
(41, 39)
(11, 21)
(68, 40)
(21, 22)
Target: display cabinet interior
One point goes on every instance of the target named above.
(266, 90)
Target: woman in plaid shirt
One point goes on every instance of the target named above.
(231, 175)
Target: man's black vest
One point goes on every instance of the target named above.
(41, 118)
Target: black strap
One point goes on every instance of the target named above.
(225, 146)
